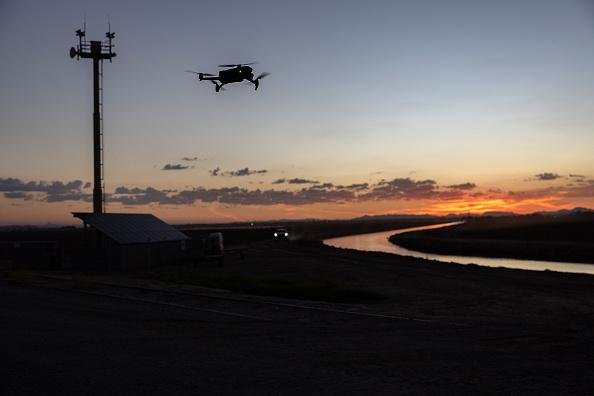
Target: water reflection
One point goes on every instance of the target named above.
(378, 242)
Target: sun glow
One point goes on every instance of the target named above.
(483, 205)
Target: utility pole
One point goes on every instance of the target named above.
(97, 51)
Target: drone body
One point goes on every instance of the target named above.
(236, 73)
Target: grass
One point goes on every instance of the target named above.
(288, 288)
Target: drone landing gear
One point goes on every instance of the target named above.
(255, 82)
(218, 87)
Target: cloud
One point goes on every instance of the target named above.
(12, 184)
(323, 186)
(245, 172)
(392, 189)
(87, 185)
(231, 196)
(175, 167)
(240, 196)
(402, 188)
(395, 189)
(240, 172)
(585, 190)
(189, 159)
(137, 196)
(547, 176)
(355, 186)
(577, 176)
(55, 187)
(126, 190)
(18, 195)
(215, 171)
(55, 191)
(296, 180)
(581, 190)
(462, 186)
(74, 196)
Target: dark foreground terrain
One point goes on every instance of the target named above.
(567, 238)
(438, 329)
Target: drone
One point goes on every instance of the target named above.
(237, 73)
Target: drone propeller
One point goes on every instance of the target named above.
(262, 75)
(204, 74)
(239, 64)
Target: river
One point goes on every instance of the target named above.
(378, 242)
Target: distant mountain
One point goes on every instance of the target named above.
(562, 212)
(31, 227)
(17, 227)
(396, 217)
(565, 212)
(497, 214)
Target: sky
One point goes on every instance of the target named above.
(371, 108)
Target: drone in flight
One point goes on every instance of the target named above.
(236, 73)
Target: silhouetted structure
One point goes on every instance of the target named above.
(131, 240)
(97, 51)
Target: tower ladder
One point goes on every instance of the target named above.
(101, 134)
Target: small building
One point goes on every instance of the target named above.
(122, 241)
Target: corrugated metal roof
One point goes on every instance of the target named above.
(129, 228)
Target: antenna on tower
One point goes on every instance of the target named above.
(110, 36)
(82, 41)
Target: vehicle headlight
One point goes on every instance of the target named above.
(286, 234)
(275, 234)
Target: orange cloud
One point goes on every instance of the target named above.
(506, 204)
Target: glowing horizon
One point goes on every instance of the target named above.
(546, 191)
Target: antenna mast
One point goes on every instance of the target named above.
(97, 51)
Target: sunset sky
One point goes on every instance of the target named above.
(371, 108)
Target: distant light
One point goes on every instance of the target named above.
(286, 234)
(275, 234)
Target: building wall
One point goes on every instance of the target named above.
(146, 256)
(104, 254)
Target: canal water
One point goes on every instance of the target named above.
(378, 242)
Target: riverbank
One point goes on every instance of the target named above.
(563, 239)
